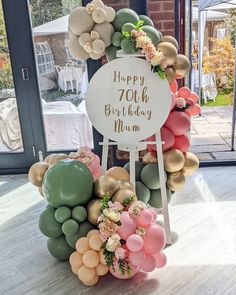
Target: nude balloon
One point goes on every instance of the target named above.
(178, 123)
(155, 240)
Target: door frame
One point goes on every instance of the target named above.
(21, 52)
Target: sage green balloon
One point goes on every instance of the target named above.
(150, 176)
(142, 192)
(128, 27)
(68, 183)
(79, 214)
(153, 34)
(116, 39)
(59, 248)
(155, 199)
(147, 20)
(138, 168)
(48, 224)
(70, 227)
(128, 46)
(123, 16)
(111, 52)
(84, 228)
(62, 214)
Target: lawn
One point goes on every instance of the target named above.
(222, 99)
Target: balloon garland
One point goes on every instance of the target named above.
(99, 222)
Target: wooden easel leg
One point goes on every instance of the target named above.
(163, 189)
(105, 149)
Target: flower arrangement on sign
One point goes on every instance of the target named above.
(96, 30)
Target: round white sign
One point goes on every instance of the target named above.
(126, 101)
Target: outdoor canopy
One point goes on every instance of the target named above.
(203, 6)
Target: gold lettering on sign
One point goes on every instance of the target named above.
(120, 127)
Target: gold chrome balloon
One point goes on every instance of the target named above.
(175, 181)
(170, 74)
(170, 39)
(149, 157)
(54, 158)
(94, 211)
(125, 185)
(118, 173)
(173, 160)
(191, 164)
(36, 173)
(181, 66)
(105, 185)
(169, 51)
(122, 194)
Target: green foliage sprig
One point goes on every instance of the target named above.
(124, 267)
(139, 25)
(105, 200)
(128, 201)
(161, 73)
(109, 258)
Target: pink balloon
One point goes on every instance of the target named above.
(155, 240)
(149, 264)
(145, 218)
(136, 258)
(166, 136)
(194, 97)
(134, 243)
(173, 101)
(154, 214)
(178, 123)
(182, 143)
(184, 92)
(127, 227)
(174, 86)
(160, 260)
(117, 274)
(195, 110)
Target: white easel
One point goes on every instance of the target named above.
(134, 156)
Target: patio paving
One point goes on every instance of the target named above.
(211, 134)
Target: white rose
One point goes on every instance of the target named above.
(88, 47)
(112, 215)
(94, 35)
(113, 243)
(157, 59)
(90, 8)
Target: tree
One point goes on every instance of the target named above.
(220, 61)
(43, 11)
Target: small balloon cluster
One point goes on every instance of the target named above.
(90, 30)
(128, 240)
(88, 261)
(96, 30)
(66, 182)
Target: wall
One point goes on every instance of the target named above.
(160, 11)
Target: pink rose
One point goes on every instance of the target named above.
(120, 253)
(180, 103)
(116, 206)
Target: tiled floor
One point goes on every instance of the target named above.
(211, 134)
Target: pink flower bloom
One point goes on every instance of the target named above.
(107, 228)
(136, 33)
(120, 253)
(180, 103)
(116, 206)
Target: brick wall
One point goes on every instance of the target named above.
(160, 11)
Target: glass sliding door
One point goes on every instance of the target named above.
(62, 79)
(21, 132)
